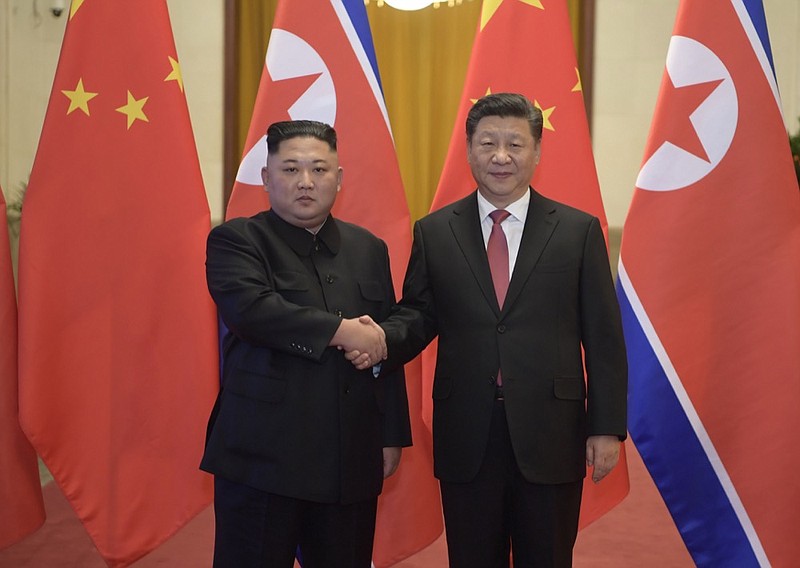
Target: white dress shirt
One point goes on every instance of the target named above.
(512, 225)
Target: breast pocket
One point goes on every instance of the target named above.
(293, 286)
(371, 290)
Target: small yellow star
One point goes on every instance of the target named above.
(134, 110)
(488, 92)
(491, 6)
(79, 98)
(175, 74)
(546, 112)
(578, 86)
(74, 7)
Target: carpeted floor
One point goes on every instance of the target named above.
(637, 533)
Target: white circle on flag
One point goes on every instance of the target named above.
(289, 56)
(689, 62)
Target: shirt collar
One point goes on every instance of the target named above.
(518, 209)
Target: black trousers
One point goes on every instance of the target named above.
(499, 513)
(255, 529)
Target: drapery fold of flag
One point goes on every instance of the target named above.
(325, 69)
(22, 510)
(118, 353)
(525, 46)
(708, 282)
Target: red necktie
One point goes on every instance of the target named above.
(497, 251)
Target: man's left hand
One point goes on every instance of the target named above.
(602, 453)
(391, 459)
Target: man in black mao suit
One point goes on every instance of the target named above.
(299, 440)
(514, 423)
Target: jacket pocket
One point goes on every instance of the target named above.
(569, 388)
(442, 386)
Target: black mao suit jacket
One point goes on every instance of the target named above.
(294, 417)
(560, 302)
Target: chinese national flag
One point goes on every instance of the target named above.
(525, 46)
(324, 69)
(118, 335)
(22, 510)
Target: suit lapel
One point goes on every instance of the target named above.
(466, 227)
(539, 226)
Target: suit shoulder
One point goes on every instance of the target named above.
(241, 225)
(357, 232)
(443, 214)
(567, 212)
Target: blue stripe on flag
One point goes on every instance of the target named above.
(675, 458)
(755, 9)
(358, 16)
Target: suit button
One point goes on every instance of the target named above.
(329, 279)
(501, 328)
(491, 380)
(338, 313)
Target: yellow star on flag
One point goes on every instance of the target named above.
(578, 86)
(79, 98)
(74, 7)
(546, 112)
(488, 92)
(134, 110)
(175, 74)
(491, 6)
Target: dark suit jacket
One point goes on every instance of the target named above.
(560, 300)
(294, 417)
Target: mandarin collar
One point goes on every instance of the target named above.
(301, 240)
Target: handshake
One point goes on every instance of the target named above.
(362, 340)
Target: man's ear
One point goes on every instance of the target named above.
(339, 180)
(264, 176)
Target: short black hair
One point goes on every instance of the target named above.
(504, 105)
(287, 129)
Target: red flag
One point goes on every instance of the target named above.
(525, 46)
(118, 335)
(324, 69)
(22, 511)
(710, 289)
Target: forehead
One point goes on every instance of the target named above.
(503, 126)
(305, 148)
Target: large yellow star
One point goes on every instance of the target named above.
(79, 98)
(546, 112)
(491, 6)
(175, 74)
(74, 7)
(134, 110)
(578, 86)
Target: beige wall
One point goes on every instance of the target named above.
(631, 44)
(30, 41)
(630, 50)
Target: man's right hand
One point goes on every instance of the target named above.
(363, 341)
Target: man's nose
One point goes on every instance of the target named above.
(306, 180)
(501, 155)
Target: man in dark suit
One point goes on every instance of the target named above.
(299, 440)
(514, 423)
